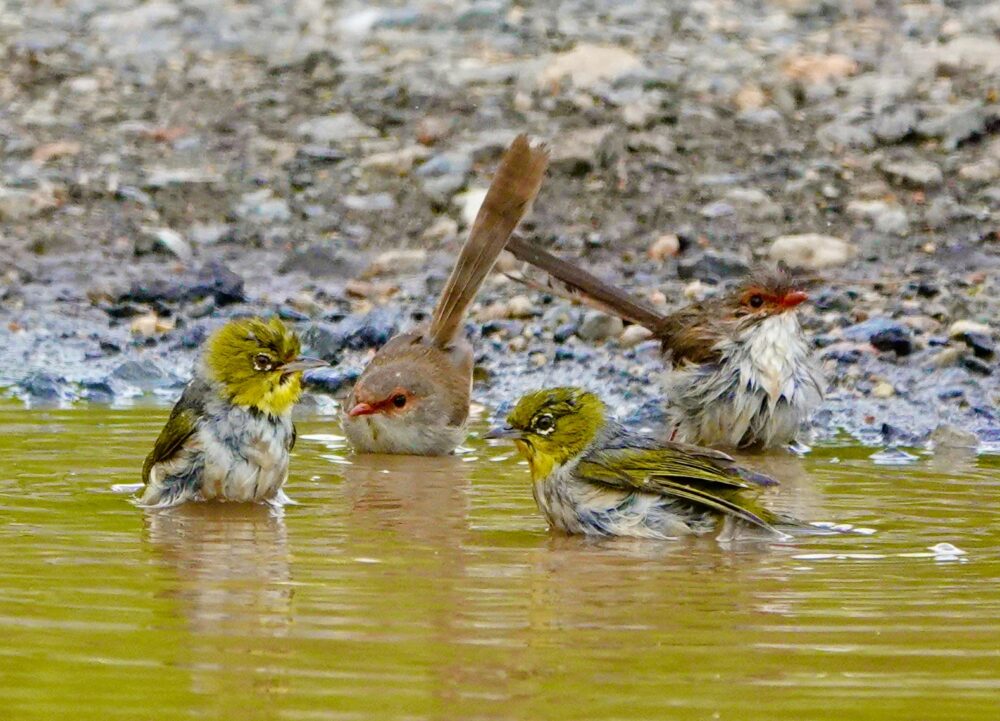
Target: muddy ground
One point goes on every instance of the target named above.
(166, 165)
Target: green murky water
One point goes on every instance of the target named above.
(430, 589)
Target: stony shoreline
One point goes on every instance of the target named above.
(165, 165)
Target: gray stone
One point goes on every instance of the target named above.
(712, 265)
(598, 326)
(143, 374)
(811, 251)
(949, 436)
(321, 260)
(333, 129)
(579, 151)
(914, 172)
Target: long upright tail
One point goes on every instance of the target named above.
(513, 189)
(604, 295)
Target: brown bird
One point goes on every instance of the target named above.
(414, 395)
(740, 374)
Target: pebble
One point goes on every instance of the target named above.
(712, 265)
(334, 129)
(320, 260)
(883, 389)
(896, 339)
(949, 436)
(577, 152)
(916, 172)
(397, 262)
(964, 327)
(145, 375)
(520, 306)
(598, 326)
(666, 246)
(586, 66)
(469, 204)
(633, 335)
(811, 251)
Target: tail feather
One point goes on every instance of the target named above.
(595, 291)
(514, 187)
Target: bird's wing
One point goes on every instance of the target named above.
(180, 426)
(703, 478)
(511, 193)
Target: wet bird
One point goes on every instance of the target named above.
(413, 397)
(739, 369)
(230, 434)
(593, 477)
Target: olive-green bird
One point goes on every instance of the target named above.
(230, 434)
(593, 477)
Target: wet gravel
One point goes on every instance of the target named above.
(167, 165)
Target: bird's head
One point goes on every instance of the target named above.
(257, 362)
(552, 426)
(763, 295)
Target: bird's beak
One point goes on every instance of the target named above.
(362, 409)
(504, 431)
(302, 364)
(790, 300)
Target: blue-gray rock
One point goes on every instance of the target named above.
(43, 386)
(143, 374)
(980, 343)
(329, 380)
(712, 265)
(217, 280)
(896, 339)
(320, 260)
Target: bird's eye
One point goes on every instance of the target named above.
(399, 400)
(756, 301)
(544, 424)
(262, 362)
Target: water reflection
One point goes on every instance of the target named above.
(231, 582)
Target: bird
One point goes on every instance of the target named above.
(229, 435)
(740, 373)
(590, 476)
(413, 396)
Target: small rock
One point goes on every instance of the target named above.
(598, 326)
(217, 280)
(811, 251)
(520, 306)
(17, 204)
(166, 238)
(976, 365)
(441, 230)
(580, 151)
(157, 178)
(712, 265)
(320, 260)
(666, 246)
(329, 380)
(886, 218)
(208, 233)
(883, 389)
(982, 171)
(444, 174)
(373, 203)
(396, 162)
(980, 343)
(946, 358)
(469, 203)
(891, 127)
(144, 374)
(43, 386)
(334, 129)
(150, 325)
(949, 436)
(262, 206)
(896, 339)
(916, 173)
(633, 335)
(963, 327)
(817, 69)
(396, 262)
(587, 66)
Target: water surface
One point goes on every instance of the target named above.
(408, 588)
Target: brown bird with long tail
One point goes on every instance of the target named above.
(740, 373)
(413, 397)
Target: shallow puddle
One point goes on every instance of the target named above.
(409, 588)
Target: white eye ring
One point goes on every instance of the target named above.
(262, 362)
(544, 431)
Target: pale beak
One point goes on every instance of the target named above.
(302, 364)
(504, 431)
(362, 409)
(790, 300)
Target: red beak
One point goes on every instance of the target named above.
(793, 298)
(362, 409)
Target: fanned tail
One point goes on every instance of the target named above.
(592, 290)
(514, 187)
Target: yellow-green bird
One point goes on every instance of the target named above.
(230, 434)
(593, 477)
